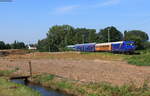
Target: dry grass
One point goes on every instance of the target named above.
(67, 55)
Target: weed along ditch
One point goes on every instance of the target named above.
(42, 90)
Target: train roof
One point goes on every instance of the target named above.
(86, 44)
(109, 43)
(101, 44)
(117, 42)
(70, 46)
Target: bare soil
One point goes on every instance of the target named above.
(116, 72)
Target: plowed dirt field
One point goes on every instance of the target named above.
(76, 66)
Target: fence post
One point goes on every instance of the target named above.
(30, 66)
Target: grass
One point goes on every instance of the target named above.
(139, 60)
(6, 72)
(11, 89)
(94, 89)
(68, 55)
(44, 78)
(64, 85)
(8, 88)
(143, 59)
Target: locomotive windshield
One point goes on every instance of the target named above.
(130, 44)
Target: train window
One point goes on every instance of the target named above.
(129, 44)
(102, 46)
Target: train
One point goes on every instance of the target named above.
(115, 47)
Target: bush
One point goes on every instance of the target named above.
(147, 45)
(140, 60)
(44, 78)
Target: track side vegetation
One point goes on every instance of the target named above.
(140, 58)
(143, 59)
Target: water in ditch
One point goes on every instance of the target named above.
(42, 90)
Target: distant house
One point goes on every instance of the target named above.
(32, 47)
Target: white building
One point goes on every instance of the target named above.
(32, 47)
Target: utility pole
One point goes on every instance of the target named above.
(49, 48)
(108, 34)
(51, 45)
(83, 38)
(66, 39)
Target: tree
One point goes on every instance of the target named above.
(138, 33)
(43, 45)
(18, 45)
(2, 45)
(60, 36)
(147, 45)
(138, 36)
(84, 35)
(115, 35)
(7, 46)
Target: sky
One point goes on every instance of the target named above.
(30, 20)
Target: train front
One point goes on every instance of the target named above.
(130, 46)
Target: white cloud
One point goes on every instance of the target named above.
(66, 9)
(70, 8)
(108, 3)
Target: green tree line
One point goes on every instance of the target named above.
(15, 45)
(59, 36)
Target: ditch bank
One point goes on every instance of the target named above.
(42, 90)
(8, 88)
